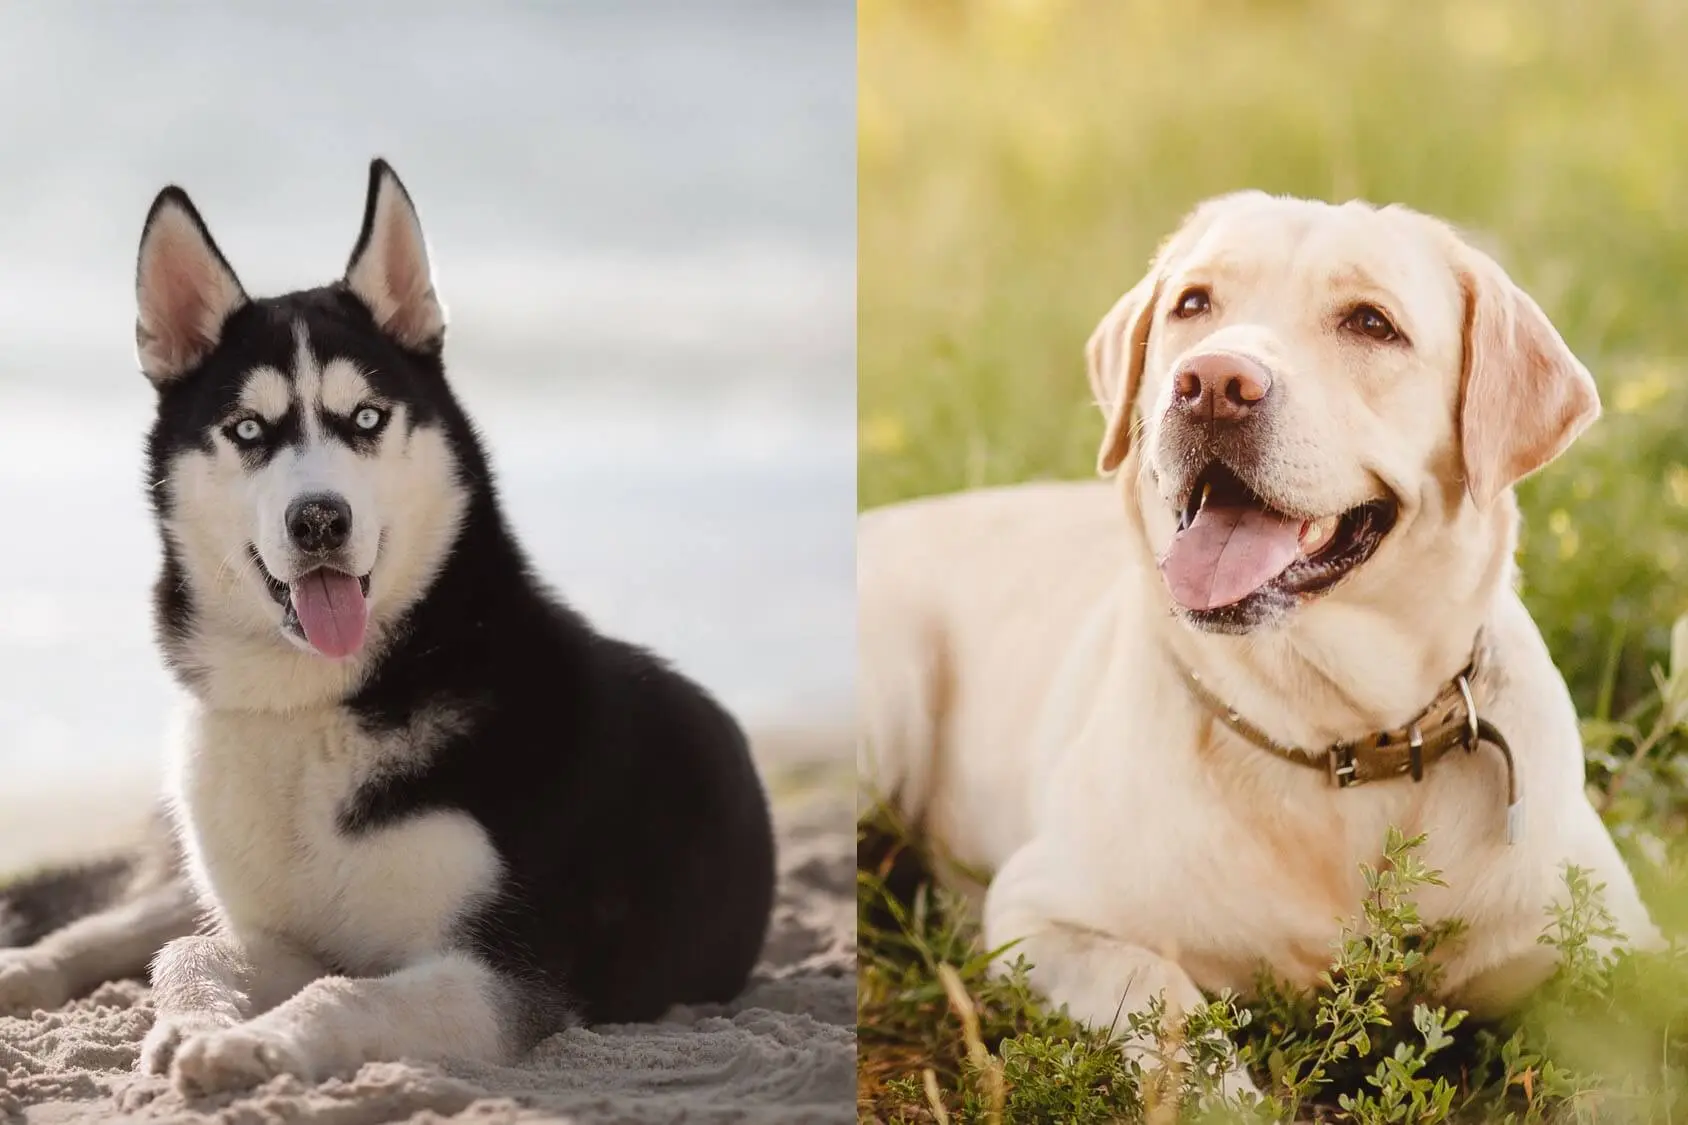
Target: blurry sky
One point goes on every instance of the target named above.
(642, 218)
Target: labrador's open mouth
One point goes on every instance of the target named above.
(1235, 558)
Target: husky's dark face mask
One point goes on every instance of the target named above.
(302, 462)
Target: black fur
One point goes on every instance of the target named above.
(33, 906)
(620, 796)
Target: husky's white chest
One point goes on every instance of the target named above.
(260, 795)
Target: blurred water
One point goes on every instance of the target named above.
(642, 216)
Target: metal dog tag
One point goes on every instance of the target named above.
(1515, 820)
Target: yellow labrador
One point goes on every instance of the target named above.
(1173, 714)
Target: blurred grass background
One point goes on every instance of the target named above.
(1020, 159)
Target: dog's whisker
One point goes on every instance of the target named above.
(232, 568)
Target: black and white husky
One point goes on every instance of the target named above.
(428, 811)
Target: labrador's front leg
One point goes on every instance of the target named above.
(1502, 958)
(1101, 980)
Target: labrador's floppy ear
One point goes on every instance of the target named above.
(184, 290)
(1115, 355)
(1524, 396)
(389, 270)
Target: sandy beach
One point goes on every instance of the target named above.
(784, 1051)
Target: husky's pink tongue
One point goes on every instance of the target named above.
(331, 611)
(1227, 553)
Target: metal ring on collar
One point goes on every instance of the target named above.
(1471, 729)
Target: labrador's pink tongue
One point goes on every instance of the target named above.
(332, 612)
(1227, 553)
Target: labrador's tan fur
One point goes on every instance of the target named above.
(1019, 707)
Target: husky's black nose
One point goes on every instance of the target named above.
(319, 522)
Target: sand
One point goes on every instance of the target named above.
(783, 1052)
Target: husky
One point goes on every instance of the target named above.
(424, 808)
(68, 929)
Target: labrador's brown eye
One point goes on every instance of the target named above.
(1369, 322)
(1192, 302)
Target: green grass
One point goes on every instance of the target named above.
(1020, 159)
(1604, 1040)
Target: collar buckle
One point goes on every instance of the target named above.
(1339, 763)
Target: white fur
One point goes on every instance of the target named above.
(257, 795)
(103, 946)
(260, 793)
(32, 979)
(1019, 707)
(437, 1008)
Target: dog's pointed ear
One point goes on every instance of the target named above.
(388, 270)
(1114, 355)
(1524, 396)
(184, 290)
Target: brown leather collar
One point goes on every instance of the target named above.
(1450, 722)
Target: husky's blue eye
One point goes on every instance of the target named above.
(369, 419)
(248, 430)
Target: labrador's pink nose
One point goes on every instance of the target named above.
(1221, 386)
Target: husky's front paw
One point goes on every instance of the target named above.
(168, 1033)
(30, 980)
(235, 1058)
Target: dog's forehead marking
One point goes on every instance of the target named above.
(344, 386)
(266, 393)
(307, 383)
(337, 386)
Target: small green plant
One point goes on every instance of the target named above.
(1402, 1093)
(1605, 1039)
(1382, 966)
